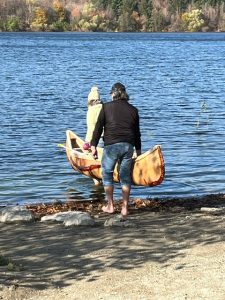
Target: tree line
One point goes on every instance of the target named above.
(112, 15)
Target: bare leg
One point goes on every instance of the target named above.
(109, 208)
(126, 195)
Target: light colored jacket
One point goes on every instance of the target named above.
(92, 117)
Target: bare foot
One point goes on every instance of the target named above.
(108, 209)
(124, 211)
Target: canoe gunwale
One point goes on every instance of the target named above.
(74, 156)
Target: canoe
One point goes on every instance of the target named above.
(148, 169)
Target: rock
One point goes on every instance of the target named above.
(213, 210)
(70, 218)
(118, 221)
(12, 214)
(82, 219)
(59, 217)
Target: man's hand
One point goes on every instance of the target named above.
(86, 146)
(94, 152)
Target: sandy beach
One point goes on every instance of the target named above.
(175, 252)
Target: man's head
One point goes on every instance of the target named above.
(118, 92)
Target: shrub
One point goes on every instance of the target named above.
(3, 260)
(59, 26)
(193, 20)
(12, 24)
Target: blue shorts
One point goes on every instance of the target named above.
(121, 153)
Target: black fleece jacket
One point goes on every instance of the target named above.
(120, 121)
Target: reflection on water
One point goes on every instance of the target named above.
(175, 80)
(96, 194)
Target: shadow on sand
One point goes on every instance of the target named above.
(52, 255)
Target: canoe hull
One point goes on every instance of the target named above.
(148, 169)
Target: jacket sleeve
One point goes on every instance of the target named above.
(98, 128)
(137, 135)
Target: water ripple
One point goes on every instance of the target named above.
(175, 80)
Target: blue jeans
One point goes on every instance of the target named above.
(121, 153)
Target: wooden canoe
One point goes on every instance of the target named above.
(148, 168)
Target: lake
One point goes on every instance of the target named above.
(176, 80)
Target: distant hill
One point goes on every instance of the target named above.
(112, 15)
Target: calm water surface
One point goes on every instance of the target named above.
(175, 80)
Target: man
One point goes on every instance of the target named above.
(120, 122)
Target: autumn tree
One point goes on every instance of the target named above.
(40, 21)
(145, 8)
(128, 19)
(61, 17)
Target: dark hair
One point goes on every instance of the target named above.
(118, 95)
(119, 92)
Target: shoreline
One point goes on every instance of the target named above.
(135, 204)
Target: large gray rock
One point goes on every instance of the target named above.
(13, 214)
(70, 218)
(58, 217)
(118, 221)
(82, 219)
(213, 210)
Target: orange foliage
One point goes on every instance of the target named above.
(57, 5)
(76, 12)
(41, 17)
(136, 16)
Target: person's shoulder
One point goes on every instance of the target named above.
(132, 106)
(107, 104)
(99, 105)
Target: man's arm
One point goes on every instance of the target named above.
(138, 137)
